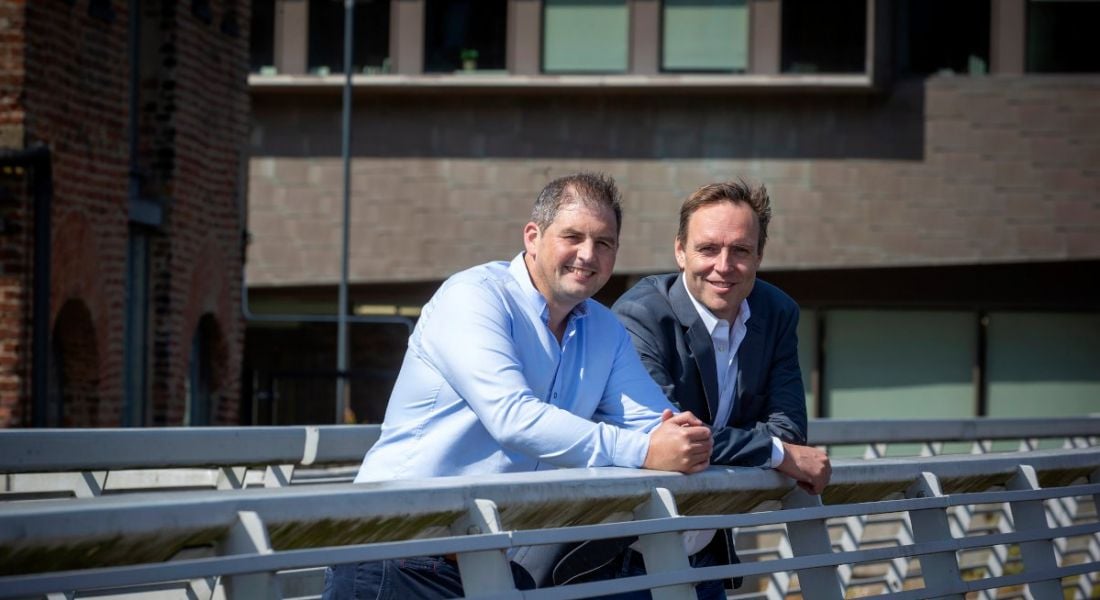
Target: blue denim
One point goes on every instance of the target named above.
(426, 577)
(632, 564)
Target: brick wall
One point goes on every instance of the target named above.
(15, 218)
(203, 120)
(69, 88)
(949, 170)
(15, 269)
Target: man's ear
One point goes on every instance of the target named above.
(678, 249)
(530, 237)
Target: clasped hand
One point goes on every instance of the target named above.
(680, 443)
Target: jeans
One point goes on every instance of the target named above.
(633, 564)
(426, 577)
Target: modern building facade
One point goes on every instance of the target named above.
(123, 132)
(934, 168)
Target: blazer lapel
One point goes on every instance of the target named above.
(699, 341)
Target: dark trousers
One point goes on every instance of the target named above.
(425, 577)
(631, 563)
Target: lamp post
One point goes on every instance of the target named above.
(342, 386)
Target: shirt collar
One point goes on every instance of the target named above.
(709, 320)
(518, 269)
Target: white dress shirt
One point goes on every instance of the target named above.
(726, 340)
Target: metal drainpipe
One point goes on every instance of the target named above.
(38, 159)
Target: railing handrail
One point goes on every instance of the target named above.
(52, 450)
(828, 432)
(56, 450)
(140, 529)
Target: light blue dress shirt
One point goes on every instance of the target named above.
(486, 387)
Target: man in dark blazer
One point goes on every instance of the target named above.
(723, 345)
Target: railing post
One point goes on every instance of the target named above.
(664, 551)
(940, 570)
(810, 538)
(487, 572)
(89, 484)
(247, 536)
(276, 476)
(1038, 555)
(231, 478)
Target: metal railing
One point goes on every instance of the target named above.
(40, 463)
(249, 543)
(88, 463)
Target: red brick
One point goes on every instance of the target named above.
(70, 91)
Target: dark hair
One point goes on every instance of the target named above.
(592, 189)
(732, 192)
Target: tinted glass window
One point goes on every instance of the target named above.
(824, 37)
(1061, 37)
(371, 50)
(704, 35)
(942, 35)
(464, 35)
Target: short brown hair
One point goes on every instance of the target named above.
(592, 189)
(733, 192)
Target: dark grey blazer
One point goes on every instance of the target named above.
(676, 349)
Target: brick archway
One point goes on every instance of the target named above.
(212, 314)
(79, 301)
(74, 373)
(207, 375)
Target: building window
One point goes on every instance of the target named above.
(262, 33)
(1061, 36)
(824, 37)
(705, 35)
(895, 364)
(371, 50)
(1042, 365)
(585, 36)
(464, 35)
(942, 36)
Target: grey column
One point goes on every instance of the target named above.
(524, 35)
(765, 36)
(407, 36)
(1007, 36)
(291, 36)
(645, 37)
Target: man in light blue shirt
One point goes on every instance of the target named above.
(512, 367)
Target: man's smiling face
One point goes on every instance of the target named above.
(574, 256)
(720, 256)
